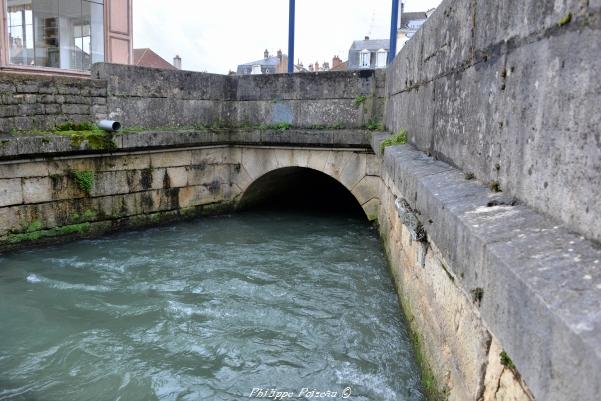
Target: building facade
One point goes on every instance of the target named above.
(409, 24)
(368, 53)
(269, 64)
(64, 36)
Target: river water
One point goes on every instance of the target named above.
(208, 309)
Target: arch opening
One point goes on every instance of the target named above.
(300, 189)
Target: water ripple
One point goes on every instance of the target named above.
(206, 310)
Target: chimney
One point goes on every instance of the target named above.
(326, 66)
(266, 53)
(280, 54)
(367, 38)
(316, 66)
(336, 61)
(177, 62)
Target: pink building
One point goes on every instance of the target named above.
(64, 36)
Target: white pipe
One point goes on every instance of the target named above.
(109, 125)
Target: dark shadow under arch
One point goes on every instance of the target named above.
(301, 189)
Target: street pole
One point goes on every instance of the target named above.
(393, 30)
(291, 37)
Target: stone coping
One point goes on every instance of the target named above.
(539, 283)
(19, 147)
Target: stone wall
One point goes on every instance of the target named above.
(51, 189)
(41, 102)
(479, 274)
(509, 91)
(153, 98)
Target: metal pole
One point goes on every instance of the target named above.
(393, 30)
(291, 38)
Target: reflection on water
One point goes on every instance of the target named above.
(208, 309)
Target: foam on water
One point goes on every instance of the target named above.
(206, 310)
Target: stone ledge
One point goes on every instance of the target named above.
(540, 284)
(23, 147)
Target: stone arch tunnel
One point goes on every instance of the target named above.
(302, 189)
(327, 179)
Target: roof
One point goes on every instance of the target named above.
(408, 17)
(269, 61)
(147, 58)
(340, 67)
(371, 44)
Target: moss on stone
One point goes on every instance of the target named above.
(494, 186)
(566, 19)
(35, 225)
(506, 360)
(79, 133)
(429, 383)
(53, 232)
(87, 215)
(84, 180)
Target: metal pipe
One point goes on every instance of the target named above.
(291, 37)
(394, 19)
(109, 125)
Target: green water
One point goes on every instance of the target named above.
(208, 309)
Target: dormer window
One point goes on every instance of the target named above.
(256, 69)
(365, 58)
(381, 58)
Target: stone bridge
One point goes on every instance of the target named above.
(490, 213)
(155, 176)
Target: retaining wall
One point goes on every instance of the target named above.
(509, 91)
(478, 274)
(156, 98)
(29, 102)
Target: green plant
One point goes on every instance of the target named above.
(566, 19)
(359, 100)
(400, 138)
(84, 180)
(506, 360)
(282, 126)
(375, 125)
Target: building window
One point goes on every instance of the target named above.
(365, 59)
(256, 69)
(381, 58)
(66, 34)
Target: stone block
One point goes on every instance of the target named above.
(177, 176)
(10, 192)
(37, 190)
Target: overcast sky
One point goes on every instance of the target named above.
(217, 35)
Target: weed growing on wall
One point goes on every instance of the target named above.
(375, 125)
(400, 138)
(506, 360)
(84, 180)
(359, 100)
